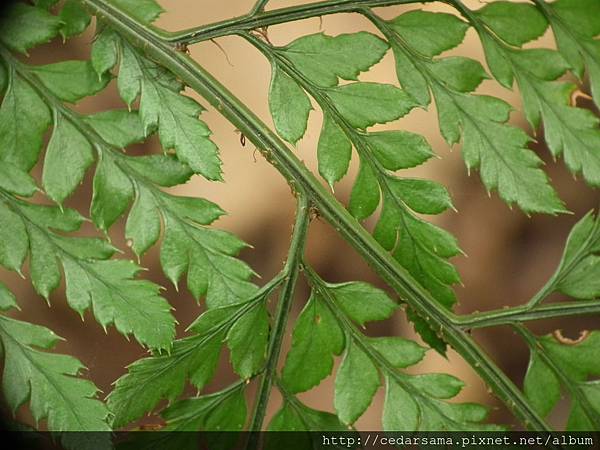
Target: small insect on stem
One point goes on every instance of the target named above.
(242, 137)
(182, 47)
(243, 143)
(314, 212)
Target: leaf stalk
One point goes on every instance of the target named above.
(291, 269)
(525, 313)
(260, 19)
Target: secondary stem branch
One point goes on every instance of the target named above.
(256, 19)
(258, 7)
(525, 314)
(291, 269)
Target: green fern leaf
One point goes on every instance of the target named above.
(13, 251)
(385, 145)
(68, 157)
(247, 340)
(108, 286)
(575, 24)
(24, 118)
(75, 19)
(570, 131)
(356, 382)
(15, 181)
(105, 50)
(161, 104)
(365, 195)
(24, 27)
(151, 70)
(219, 415)
(221, 411)
(430, 33)
(120, 180)
(47, 381)
(316, 338)
(193, 358)
(498, 150)
(400, 352)
(163, 376)
(71, 81)
(289, 106)
(208, 257)
(514, 23)
(347, 111)
(118, 127)
(323, 59)
(134, 306)
(362, 302)
(365, 104)
(146, 11)
(333, 151)
(578, 273)
(297, 417)
(433, 414)
(171, 173)
(364, 359)
(458, 73)
(422, 248)
(7, 299)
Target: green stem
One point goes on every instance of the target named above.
(291, 269)
(258, 7)
(524, 313)
(254, 20)
(297, 175)
(544, 292)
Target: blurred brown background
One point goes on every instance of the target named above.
(509, 255)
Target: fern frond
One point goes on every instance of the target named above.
(49, 382)
(569, 131)
(108, 286)
(488, 142)
(412, 403)
(153, 71)
(195, 358)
